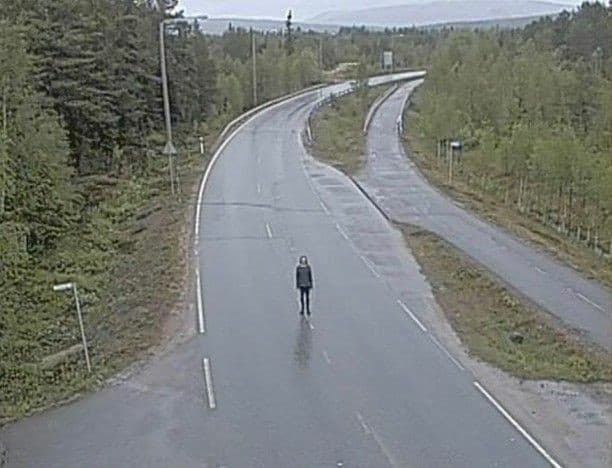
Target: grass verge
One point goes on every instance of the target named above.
(129, 258)
(337, 130)
(496, 325)
(492, 322)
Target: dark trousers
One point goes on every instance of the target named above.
(305, 296)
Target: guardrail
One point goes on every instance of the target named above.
(323, 102)
(374, 107)
(351, 87)
(234, 123)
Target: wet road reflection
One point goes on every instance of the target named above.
(303, 345)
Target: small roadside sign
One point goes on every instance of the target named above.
(169, 149)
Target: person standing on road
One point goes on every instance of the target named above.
(303, 282)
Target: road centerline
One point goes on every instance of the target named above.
(208, 382)
(199, 302)
(588, 301)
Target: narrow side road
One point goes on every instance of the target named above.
(399, 188)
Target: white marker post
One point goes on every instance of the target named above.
(202, 146)
(452, 147)
(67, 287)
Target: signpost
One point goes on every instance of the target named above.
(387, 60)
(453, 146)
(73, 287)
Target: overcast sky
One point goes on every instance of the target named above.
(303, 9)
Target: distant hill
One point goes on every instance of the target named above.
(504, 23)
(220, 25)
(440, 11)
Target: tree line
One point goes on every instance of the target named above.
(81, 133)
(533, 108)
(80, 141)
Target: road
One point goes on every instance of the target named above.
(362, 384)
(406, 196)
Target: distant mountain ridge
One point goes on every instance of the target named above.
(440, 11)
(218, 26)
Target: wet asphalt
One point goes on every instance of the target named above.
(405, 195)
(360, 384)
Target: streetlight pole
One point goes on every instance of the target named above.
(254, 58)
(169, 149)
(166, 97)
(73, 286)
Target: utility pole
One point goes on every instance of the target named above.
(162, 59)
(254, 60)
(169, 149)
(321, 53)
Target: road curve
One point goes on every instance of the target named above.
(406, 196)
(362, 384)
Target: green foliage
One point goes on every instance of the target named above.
(80, 119)
(486, 316)
(533, 113)
(338, 129)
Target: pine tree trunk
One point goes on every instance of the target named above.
(3, 149)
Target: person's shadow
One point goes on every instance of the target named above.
(303, 345)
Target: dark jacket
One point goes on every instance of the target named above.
(303, 276)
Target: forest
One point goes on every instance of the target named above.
(82, 174)
(533, 110)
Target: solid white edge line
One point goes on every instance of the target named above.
(445, 351)
(258, 187)
(252, 115)
(540, 270)
(586, 299)
(212, 403)
(517, 426)
(411, 315)
(249, 115)
(199, 303)
(269, 230)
